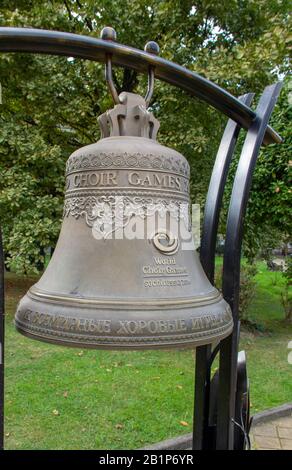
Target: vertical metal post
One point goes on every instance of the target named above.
(207, 255)
(1, 344)
(231, 265)
(201, 400)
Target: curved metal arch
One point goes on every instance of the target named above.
(86, 47)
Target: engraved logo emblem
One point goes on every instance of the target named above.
(165, 242)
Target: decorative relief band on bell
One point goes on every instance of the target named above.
(108, 210)
(123, 333)
(126, 342)
(124, 179)
(146, 161)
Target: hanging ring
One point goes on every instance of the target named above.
(151, 47)
(109, 34)
(150, 87)
(109, 79)
(113, 90)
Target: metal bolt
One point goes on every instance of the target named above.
(152, 48)
(108, 34)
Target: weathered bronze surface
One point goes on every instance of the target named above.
(104, 290)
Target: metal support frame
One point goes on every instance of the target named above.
(214, 198)
(231, 264)
(258, 132)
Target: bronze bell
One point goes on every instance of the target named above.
(103, 289)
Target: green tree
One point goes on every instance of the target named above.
(268, 221)
(50, 104)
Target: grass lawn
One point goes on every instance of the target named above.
(63, 398)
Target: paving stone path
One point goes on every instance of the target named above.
(275, 434)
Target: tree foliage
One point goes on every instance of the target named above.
(268, 221)
(50, 104)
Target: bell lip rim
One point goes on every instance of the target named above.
(176, 344)
(37, 294)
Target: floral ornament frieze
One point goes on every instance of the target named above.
(108, 214)
(127, 160)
